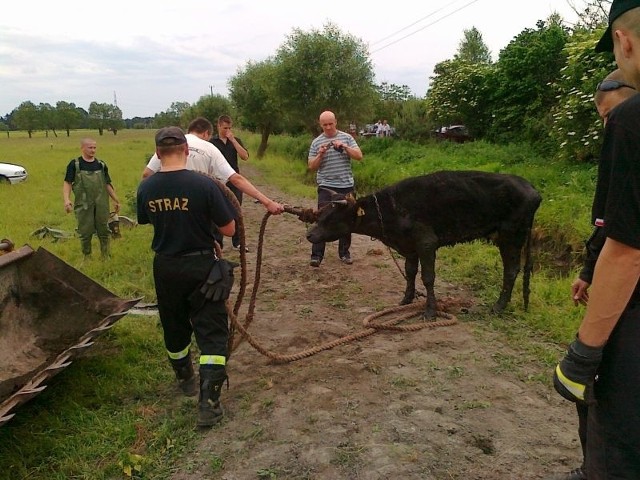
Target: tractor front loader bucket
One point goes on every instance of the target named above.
(49, 314)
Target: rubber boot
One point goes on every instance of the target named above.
(209, 409)
(186, 376)
(85, 245)
(104, 247)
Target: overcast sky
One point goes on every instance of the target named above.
(147, 55)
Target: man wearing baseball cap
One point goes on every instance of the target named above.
(602, 366)
(191, 283)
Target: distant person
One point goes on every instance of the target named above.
(377, 128)
(612, 91)
(181, 205)
(231, 147)
(330, 156)
(386, 129)
(90, 182)
(205, 157)
(601, 368)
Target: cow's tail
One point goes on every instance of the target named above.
(528, 268)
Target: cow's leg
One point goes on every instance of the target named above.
(426, 245)
(510, 249)
(410, 271)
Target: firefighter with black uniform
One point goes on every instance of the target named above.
(191, 284)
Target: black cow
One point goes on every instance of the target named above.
(418, 215)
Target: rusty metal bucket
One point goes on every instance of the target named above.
(49, 314)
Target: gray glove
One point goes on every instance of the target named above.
(217, 286)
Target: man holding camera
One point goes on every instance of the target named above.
(330, 156)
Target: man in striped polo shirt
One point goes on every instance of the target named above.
(330, 156)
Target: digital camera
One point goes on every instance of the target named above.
(337, 148)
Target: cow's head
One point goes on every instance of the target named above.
(334, 220)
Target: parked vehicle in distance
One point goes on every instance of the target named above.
(455, 133)
(369, 130)
(10, 173)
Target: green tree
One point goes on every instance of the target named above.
(208, 106)
(472, 48)
(459, 88)
(389, 102)
(459, 94)
(48, 118)
(577, 128)
(105, 116)
(522, 93)
(69, 116)
(412, 121)
(254, 92)
(26, 117)
(390, 92)
(324, 70)
(172, 116)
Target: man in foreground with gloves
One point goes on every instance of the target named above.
(610, 92)
(602, 366)
(191, 283)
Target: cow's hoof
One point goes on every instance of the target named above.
(406, 301)
(429, 316)
(497, 308)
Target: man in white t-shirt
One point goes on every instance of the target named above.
(205, 157)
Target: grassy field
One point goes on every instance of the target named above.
(118, 401)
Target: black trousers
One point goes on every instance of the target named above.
(182, 314)
(613, 425)
(344, 243)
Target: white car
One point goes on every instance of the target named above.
(10, 173)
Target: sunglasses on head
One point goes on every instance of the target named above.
(609, 85)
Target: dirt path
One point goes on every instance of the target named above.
(446, 403)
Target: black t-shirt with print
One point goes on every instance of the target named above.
(182, 205)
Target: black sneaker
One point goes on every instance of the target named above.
(315, 262)
(346, 259)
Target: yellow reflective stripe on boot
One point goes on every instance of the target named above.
(212, 360)
(179, 355)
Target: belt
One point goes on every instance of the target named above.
(198, 252)
(190, 254)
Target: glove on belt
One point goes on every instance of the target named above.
(574, 376)
(218, 284)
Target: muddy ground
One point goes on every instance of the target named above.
(451, 402)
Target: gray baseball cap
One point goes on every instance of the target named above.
(170, 136)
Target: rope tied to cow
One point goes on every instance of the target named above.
(370, 326)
